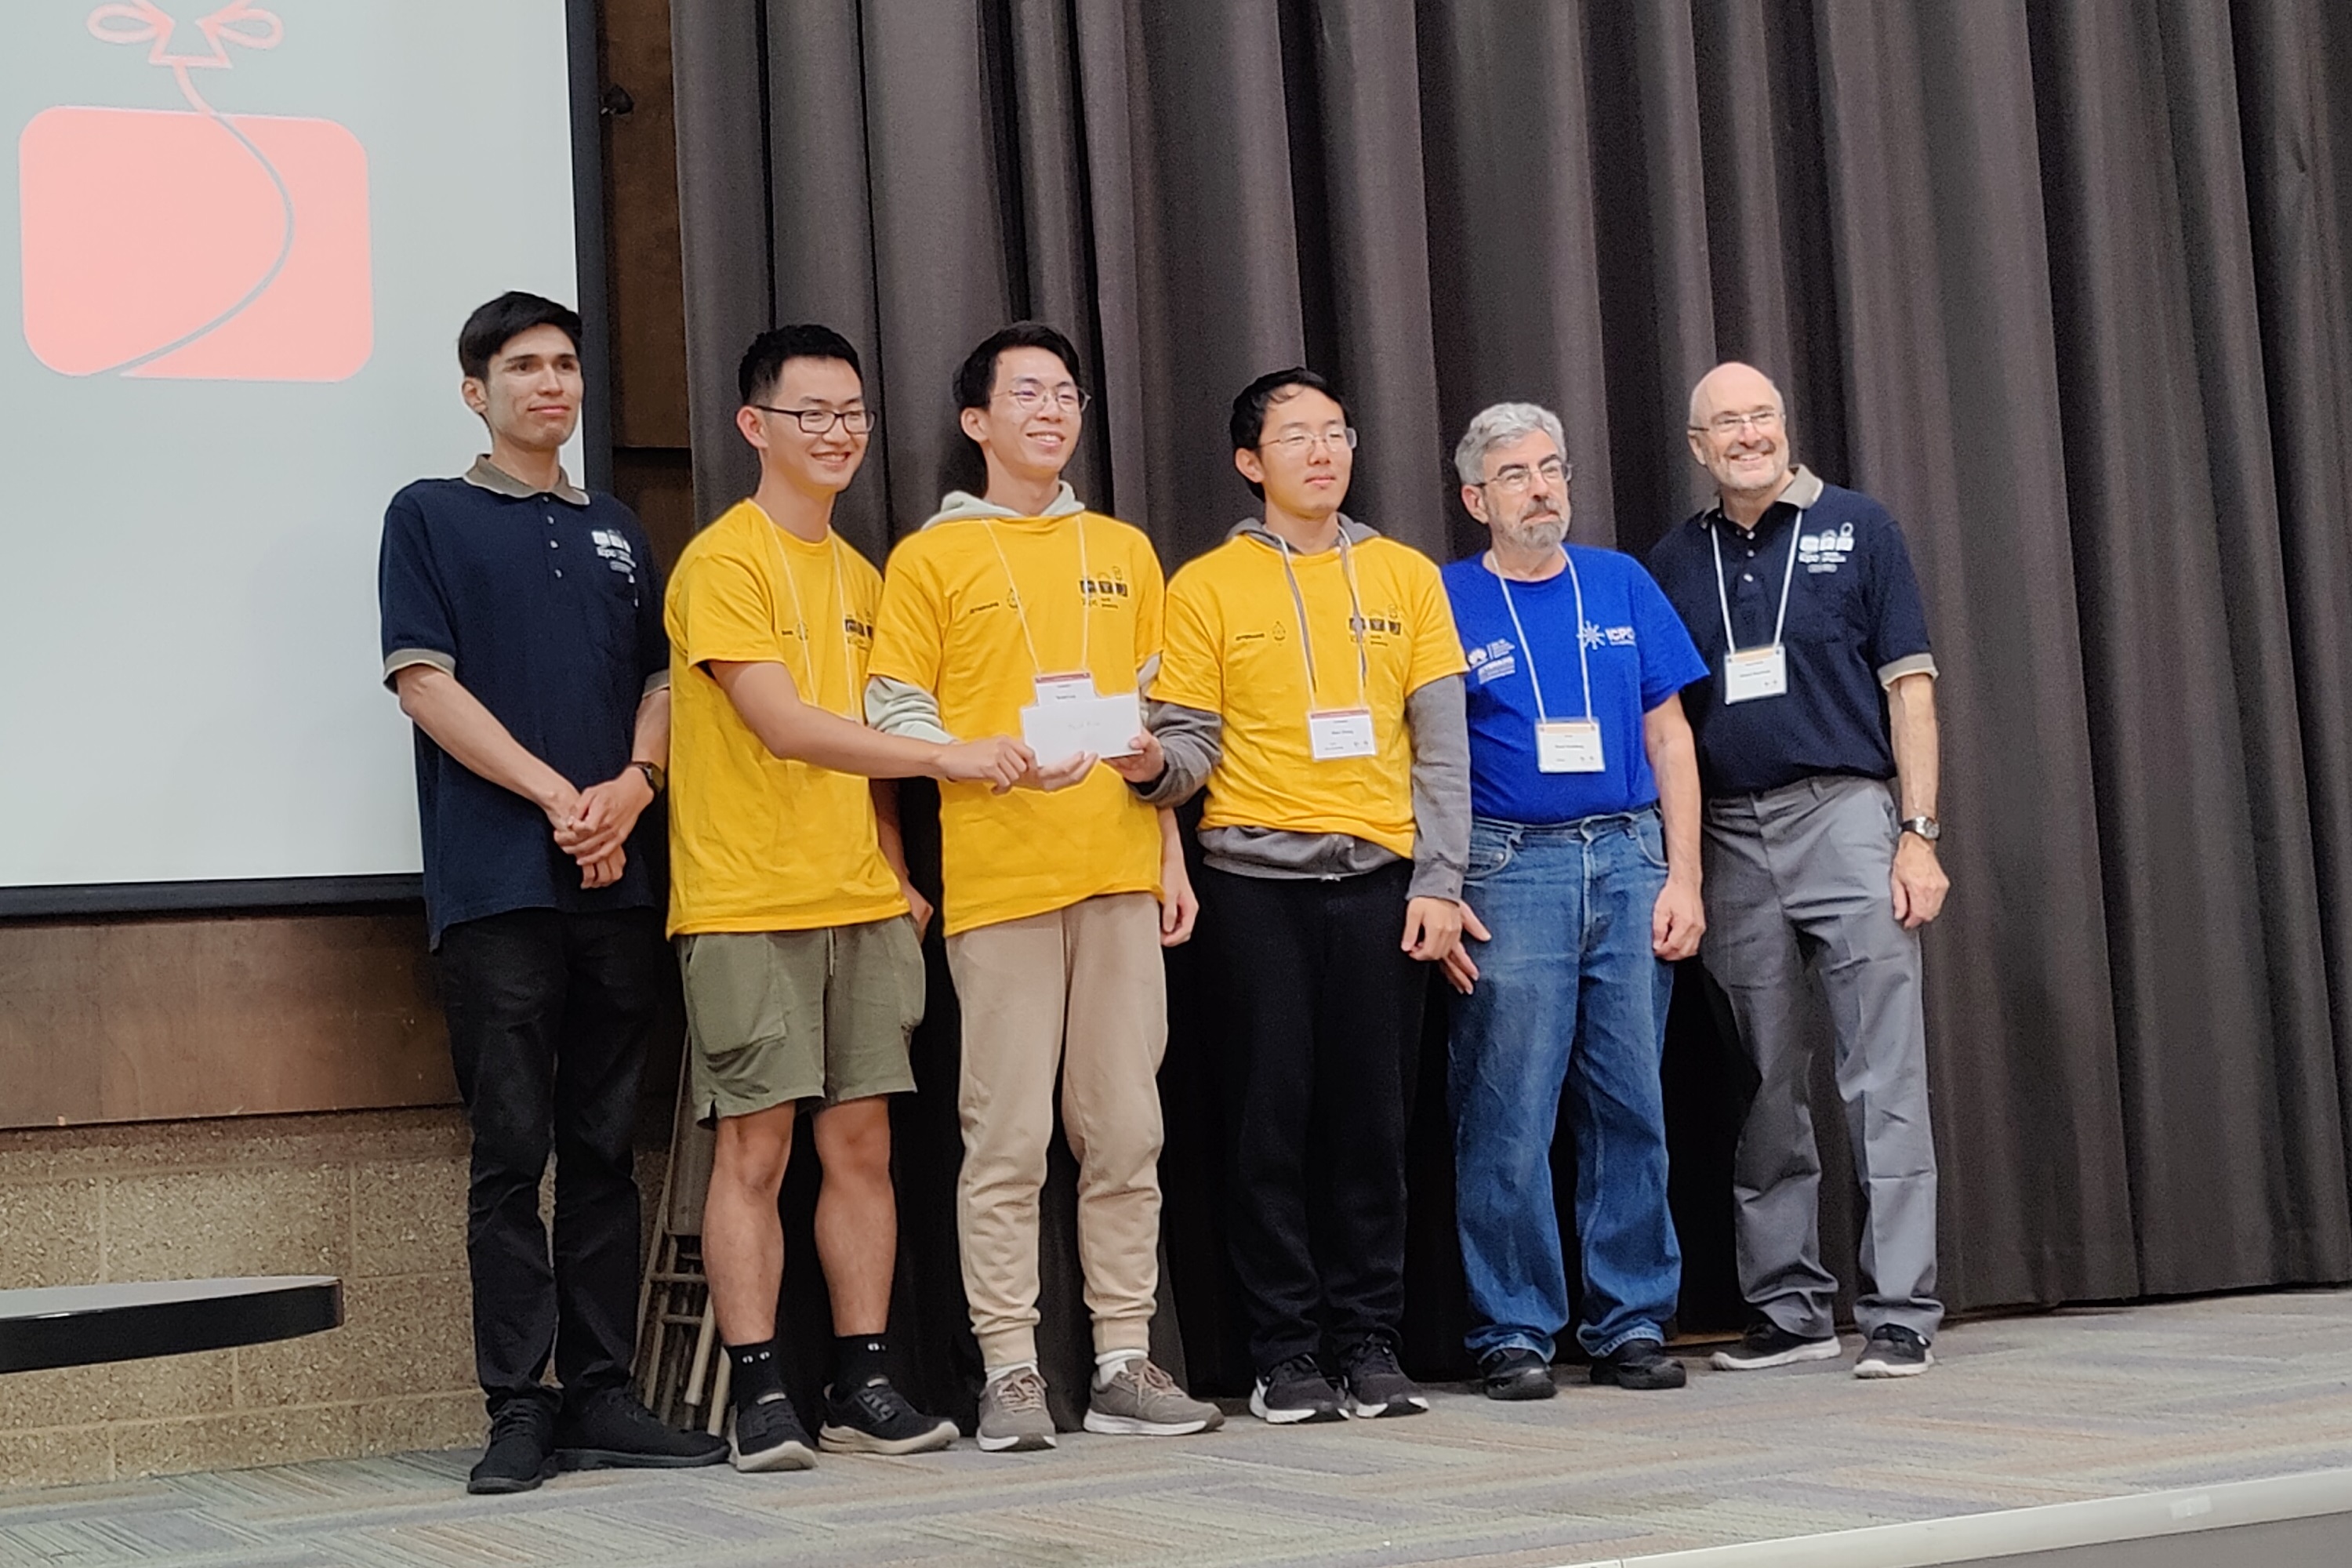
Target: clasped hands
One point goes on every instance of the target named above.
(593, 825)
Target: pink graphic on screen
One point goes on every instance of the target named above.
(192, 244)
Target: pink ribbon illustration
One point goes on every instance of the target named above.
(142, 21)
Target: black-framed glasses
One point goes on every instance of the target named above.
(1297, 443)
(818, 421)
(1029, 396)
(1513, 478)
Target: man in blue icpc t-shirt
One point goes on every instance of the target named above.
(1584, 864)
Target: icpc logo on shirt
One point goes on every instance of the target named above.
(1825, 551)
(1104, 590)
(613, 546)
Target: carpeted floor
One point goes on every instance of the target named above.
(2022, 1411)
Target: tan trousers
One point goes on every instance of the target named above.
(1081, 989)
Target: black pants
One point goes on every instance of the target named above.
(1322, 1016)
(549, 1015)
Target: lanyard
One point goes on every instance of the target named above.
(1355, 619)
(1528, 650)
(1723, 597)
(800, 616)
(1086, 586)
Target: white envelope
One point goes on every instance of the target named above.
(1106, 726)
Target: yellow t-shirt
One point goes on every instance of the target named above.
(1235, 649)
(949, 625)
(758, 843)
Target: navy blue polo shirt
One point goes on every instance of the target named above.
(546, 606)
(1634, 646)
(1856, 626)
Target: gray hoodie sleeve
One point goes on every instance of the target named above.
(1441, 788)
(1192, 739)
(896, 708)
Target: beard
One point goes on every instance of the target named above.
(1540, 532)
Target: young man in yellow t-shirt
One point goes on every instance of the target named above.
(1021, 608)
(789, 897)
(1311, 679)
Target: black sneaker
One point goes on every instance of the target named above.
(877, 1419)
(1515, 1372)
(1295, 1391)
(769, 1437)
(1894, 1351)
(1766, 1344)
(1376, 1386)
(520, 1451)
(1638, 1363)
(609, 1430)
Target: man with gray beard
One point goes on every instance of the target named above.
(1584, 864)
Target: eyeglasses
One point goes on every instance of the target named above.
(1029, 396)
(1760, 419)
(817, 421)
(1296, 444)
(1515, 478)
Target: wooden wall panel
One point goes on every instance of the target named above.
(144, 1018)
(647, 272)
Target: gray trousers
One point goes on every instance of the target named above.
(1796, 877)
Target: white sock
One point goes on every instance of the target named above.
(1107, 1364)
(998, 1374)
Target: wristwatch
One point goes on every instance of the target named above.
(657, 779)
(1926, 828)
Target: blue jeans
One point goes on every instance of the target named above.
(1568, 992)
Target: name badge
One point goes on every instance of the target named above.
(1074, 687)
(1753, 672)
(1340, 732)
(1569, 746)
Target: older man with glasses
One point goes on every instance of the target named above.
(1817, 754)
(1584, 864)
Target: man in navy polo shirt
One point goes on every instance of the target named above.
(522, 631)
(1584, 864)
(1799, 596)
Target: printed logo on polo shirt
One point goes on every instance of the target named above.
(1492, 662)
(1825, 551)
(1597, 635)
(614, 547)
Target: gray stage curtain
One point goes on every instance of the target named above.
(2062, 283)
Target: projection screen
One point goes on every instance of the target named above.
(241, 238)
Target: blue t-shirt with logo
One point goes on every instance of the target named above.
(1638, 653)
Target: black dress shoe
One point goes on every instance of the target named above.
(1515, 1372)
(519, 1453)
(609, 1430)
(1638, 1363)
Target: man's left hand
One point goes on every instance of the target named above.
(1179, 907)
(1145, 765)
(608, 813)
(1432, 928)
(1919, 881)
(1677, 920)
(918, 908)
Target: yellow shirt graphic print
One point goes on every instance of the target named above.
(758, 843)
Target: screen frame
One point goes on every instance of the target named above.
(583, 72)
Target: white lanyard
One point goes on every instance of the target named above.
(800, 616)
(1723, 596)
(1086, 586)
(1526, 648)
(1355, 619)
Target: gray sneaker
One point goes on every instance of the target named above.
(1013, 1414)
(1143, 1401)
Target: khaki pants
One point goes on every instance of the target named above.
(1081, 989)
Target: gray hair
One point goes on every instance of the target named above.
(1499, 425)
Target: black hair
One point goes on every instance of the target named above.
(975, 379)
(1248, 427)
(763, 364)
(504, 319)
